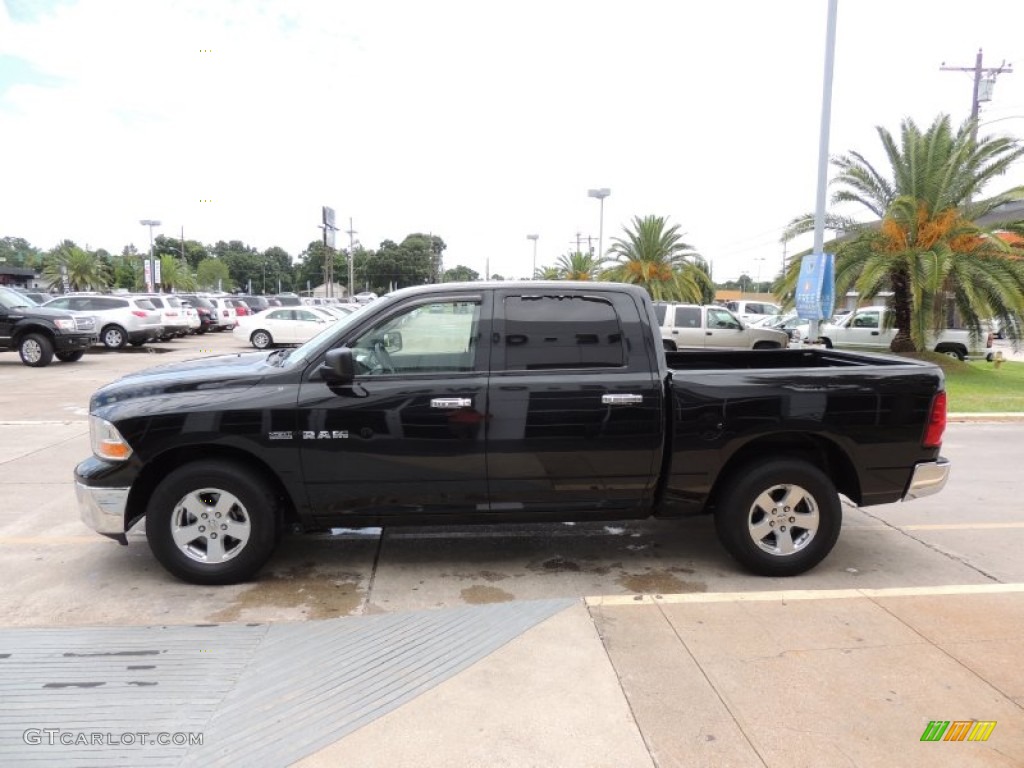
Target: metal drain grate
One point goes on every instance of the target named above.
(258, 694)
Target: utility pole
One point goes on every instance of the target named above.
(351, 258)
(980, 93)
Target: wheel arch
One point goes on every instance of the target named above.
(820, 451)
(22, 331)
(158, 468)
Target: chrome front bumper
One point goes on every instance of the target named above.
(102, 509)
(929, 477)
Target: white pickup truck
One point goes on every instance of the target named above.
(694, 326)
(867, 329)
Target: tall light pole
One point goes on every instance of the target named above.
(600, 194)
(151, 282)
(533, 274)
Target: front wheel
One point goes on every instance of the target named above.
(780, 517)
(212, 523)
(261, 339)
(35, 350)
(71, 357)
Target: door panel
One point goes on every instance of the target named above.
(408, 436)
(556, 440)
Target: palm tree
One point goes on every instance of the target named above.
(84, 270)
(656, 257)
(577, 266)
(547, 273)
(175, 274)
(927, 248)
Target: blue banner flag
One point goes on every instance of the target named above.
(816, 288)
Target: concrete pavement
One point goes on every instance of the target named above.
(665, 654)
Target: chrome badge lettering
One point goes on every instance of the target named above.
(280, 435)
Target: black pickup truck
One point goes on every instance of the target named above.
(39, 333)
(505, 402)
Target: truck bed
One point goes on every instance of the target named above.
(743, 359)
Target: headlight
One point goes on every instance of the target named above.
(65, 323)
(107, 442)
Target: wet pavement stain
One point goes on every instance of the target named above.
(557, 565)
(659, 582)
(490, 576)
(319, 595)
(480, 594)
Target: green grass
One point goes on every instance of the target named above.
(981, 387)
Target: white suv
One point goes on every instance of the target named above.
(121, 319)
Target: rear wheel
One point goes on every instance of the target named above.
(36, 350)
(212, 523)
(955, 352)
(780, 517)
(70, 357)
(114, 337)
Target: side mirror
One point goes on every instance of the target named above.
(339, 366)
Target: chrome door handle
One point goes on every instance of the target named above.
(451, 402)
(622, 399)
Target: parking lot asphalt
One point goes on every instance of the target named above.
(575, 645)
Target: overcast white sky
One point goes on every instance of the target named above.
(481, 122)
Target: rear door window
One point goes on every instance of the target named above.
(562, 331)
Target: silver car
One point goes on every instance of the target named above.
(122, 319)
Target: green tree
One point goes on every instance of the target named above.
(654, 255)
(277, 265)
(577, 266)
(460, 274)
(84, 271)
(194, 251)
(396, 266)
(17, 252)
(548, 273)
(212, 274)
(925, 245)
(175, 274)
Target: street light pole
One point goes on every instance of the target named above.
(151, 282)
(533, 274)
(600, 194)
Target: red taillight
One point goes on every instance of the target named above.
(139, 313)
(936, 422)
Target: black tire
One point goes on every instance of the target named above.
(783, 540)
(766, 345)
(71, 357)
(956, 352)
(114, 337)
(261, 339)
(36, 350)
(827, 343)
(217, 487)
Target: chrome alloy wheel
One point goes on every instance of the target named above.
(210, 525)
(31, 351)
(783, 520)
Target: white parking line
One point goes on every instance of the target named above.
(805, 594)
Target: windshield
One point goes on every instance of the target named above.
(10, 299)
(319, 343)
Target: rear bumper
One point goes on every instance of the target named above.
(929, 477)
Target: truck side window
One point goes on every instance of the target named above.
(866, 320)
(442, 339)
(687, 317)
(562, 331)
